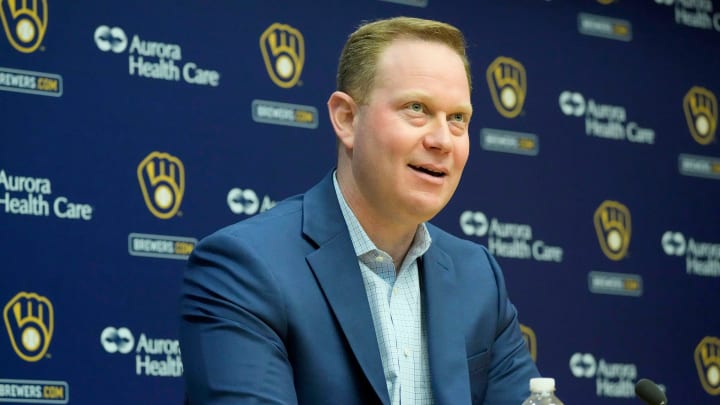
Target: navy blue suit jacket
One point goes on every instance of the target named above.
(274, 310)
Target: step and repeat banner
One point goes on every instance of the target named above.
(130, 130)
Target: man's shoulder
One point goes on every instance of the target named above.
(452, 243)
(465, 254)
(280, 219)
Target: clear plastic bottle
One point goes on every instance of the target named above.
(542, 392)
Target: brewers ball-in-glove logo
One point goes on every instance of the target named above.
(29, 321)
(283, 50)
(529, 336)
(612, 224)
(162, 181)
(707, 360)
(508, 86)
(701, 112)
(25, 23)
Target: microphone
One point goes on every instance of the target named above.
(650, 393)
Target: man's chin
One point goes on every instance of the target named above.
(425, 210)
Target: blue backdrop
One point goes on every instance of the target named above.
(132, 129)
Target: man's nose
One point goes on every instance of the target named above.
(439, 136)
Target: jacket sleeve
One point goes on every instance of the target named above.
(232, 327)
(511, 366)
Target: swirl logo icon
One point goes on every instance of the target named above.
(25, 23)
(110, 39)
(29, 321)
(613, 227)
(508, 86)
(572, 103)
(673, 243)
(701, 112)
(162, 181)
(707, 360)
(283, 51)
(583, 365)
(117, 340)
(474, 223)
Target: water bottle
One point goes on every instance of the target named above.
(542, 392)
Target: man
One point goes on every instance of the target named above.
(345, 295)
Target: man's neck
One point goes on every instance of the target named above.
(388, 234)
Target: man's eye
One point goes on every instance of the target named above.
(459, 117)
(416, 107)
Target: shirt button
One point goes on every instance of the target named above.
(406, 352)
(379, 258)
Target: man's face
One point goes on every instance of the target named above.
(411, 138)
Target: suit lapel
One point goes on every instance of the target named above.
(446, 342)
(335, 266)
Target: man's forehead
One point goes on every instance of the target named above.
(416, 57)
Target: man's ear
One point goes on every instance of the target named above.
(342, 109)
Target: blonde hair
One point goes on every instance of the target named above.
(359, 58)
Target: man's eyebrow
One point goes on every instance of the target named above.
(423, 95)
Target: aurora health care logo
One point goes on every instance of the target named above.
(151, 59)
(509, 239)
(154, 357)
(702, 258)
(612, 379)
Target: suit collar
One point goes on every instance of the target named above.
(335, 266)
(446, 342)
(322, 218)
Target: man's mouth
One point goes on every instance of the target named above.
(427, 171)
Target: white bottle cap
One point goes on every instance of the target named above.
(542, 384)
